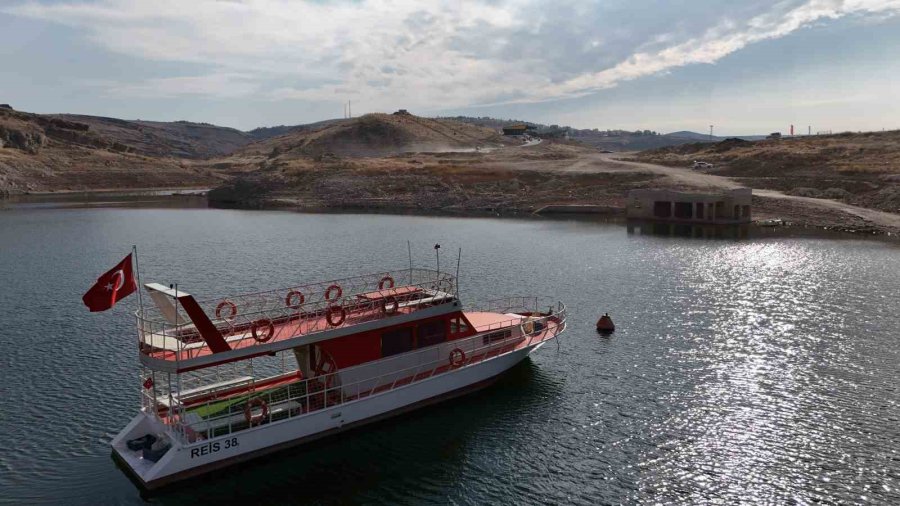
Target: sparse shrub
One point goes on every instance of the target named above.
(836, 194)
(806, 192)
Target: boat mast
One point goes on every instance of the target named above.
(409, 250)
(456, 281)
(437, 253)
(137, 269)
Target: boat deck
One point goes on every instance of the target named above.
(185, 342)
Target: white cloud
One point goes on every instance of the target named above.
(435, 55)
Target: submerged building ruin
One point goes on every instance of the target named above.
(730, 207)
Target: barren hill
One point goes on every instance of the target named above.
(181, 139)
(43, 153)
(376, 135)
(858, 168)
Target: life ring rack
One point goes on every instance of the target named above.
(262, 324)
(230, 305)
(457, 358)
(254, 420)
(294, 294)
(335, 315)
(329, 298)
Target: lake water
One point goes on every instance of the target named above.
(761, 370)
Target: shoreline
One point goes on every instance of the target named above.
(562, 212)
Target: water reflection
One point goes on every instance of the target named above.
(688, 230)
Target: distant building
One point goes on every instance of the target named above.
(774, 136)
(519, 129)
(402, 112)
(667, 205)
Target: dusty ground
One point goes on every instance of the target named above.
(506, 180)
(513, 180)
(860, 169)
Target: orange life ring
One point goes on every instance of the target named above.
(328, 297)
(389, 305)
(289, 299)
(385, 280)
(457, 358)
(222, 305)
(252, 419)
(260, 324)
(330, 315)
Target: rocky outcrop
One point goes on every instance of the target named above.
(31, 132)
(28, 140)
(61, 124)
(75, 137)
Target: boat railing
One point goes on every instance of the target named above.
(535, 306)
(274, 315)
(309, 395)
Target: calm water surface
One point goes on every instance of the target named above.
(760, 370)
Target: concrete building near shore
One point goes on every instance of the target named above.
(730, 207)
(520, 129)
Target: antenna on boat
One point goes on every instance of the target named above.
(458, 258)
(409, 250)
(437, 253)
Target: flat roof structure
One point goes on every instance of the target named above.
(729, 207)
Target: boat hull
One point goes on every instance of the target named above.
(185, 461)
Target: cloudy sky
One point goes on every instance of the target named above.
(747, 67)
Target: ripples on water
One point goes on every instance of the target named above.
(761, 370)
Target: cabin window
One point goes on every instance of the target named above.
(431, 333)
(396, 342)
(497, 335)
(458, 326)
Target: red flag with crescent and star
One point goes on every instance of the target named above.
(111, 287)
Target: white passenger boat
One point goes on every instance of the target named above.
(227, 380)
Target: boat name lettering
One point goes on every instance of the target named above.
(213, 447)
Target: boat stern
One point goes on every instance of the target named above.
(143, 449)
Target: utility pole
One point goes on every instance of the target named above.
(349, 109)
(710, 133)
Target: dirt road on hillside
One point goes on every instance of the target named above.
(682, 177)
(699, 179)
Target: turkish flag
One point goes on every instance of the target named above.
(111, 287)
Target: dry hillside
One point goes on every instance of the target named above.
(42, 153)
(508, 180)
(858, 168)
(181, 139)
(374, 135)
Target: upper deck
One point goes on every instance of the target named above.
(180, 334)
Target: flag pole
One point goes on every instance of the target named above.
(137, 269)
(140, 322)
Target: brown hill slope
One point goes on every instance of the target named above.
(376, 135)
(857, 168)
(180, 139)
(42, 153)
